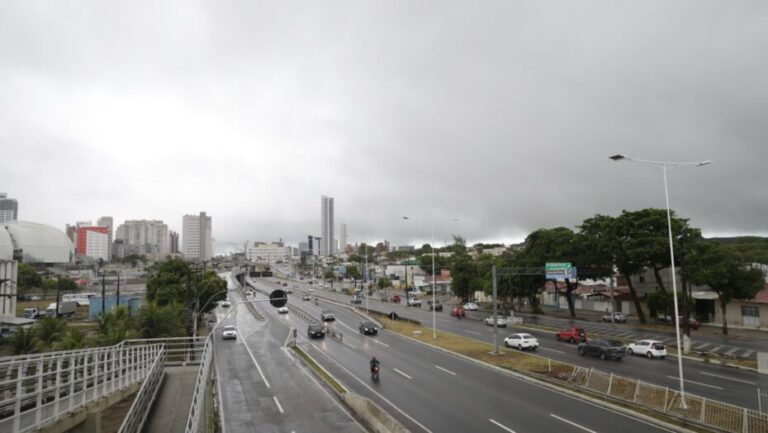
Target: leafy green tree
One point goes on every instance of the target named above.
(49, 330)
(724, 270)
(28, 278)
(353, 272)
(464, 275)
(383, 283)
(167, 321)
(23, 341)
(659, 303)
(115, 326)
(174, 281)
(67, 285)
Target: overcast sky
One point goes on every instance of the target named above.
(501, 114)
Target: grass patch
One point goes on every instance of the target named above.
(319, 371)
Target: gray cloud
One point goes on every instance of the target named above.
(501, 114)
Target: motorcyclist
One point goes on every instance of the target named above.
(374, 363)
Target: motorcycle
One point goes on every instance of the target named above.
(375, 373)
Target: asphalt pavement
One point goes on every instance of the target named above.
(264, 388)
(726, 384)
(429, 390)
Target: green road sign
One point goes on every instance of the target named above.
(559, 271)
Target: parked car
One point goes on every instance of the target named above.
(315, 330)
(225, 304)
(458, 311)
(311, 290)
(436, 307)
(572, 335)
(617, 317)
(356, 300)
(368, 328)
(470, 306)
(500, 321)
(327, 316)
(693, 323)
(522, 341)
(603, 348)
(648, 348)
(31, 313)
(306, 298)
(229, 333)
(282, 310)
(395, 298)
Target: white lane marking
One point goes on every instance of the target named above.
(696, 383)
(748, 353)
(501, 425)
(277, 402)
(384, 399)
(345, 325)
(220, 397)
(398, 371)
(728, 378)
(715, 349)
(379, 342)
(550, 350)
(257, 364)
(701, 346)
(572, 423)
(443, 369)
(732, 351)
(472, 332)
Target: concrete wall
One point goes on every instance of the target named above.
(733, 313)
(372, 415)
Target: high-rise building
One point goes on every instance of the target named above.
(342, 237)
(174, 244)
(9, 208)
(108, 222)
(92, 242)
(269, 253)
(327, 247)
(310, 245)
(196, 237)
(149, 237)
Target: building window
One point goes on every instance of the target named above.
(750, 311)
(642, 278)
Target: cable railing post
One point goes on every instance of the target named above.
(57, 393)
(19, 393)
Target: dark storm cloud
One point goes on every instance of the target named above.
(500, 114)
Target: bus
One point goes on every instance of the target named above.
(81, 298)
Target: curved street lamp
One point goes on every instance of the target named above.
(664, 167)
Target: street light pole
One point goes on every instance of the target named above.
(664, 167)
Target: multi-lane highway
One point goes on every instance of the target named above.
(721, 383)
(263, 387)
(430, 390)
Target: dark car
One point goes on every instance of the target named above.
(437, 307)
(368, 328)
(603, 348)
(315, 330)
(327, 316)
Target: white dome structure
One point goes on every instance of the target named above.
(38, 243)
(6, 245)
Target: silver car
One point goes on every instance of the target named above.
(500, 321)
(522, 341)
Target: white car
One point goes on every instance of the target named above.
(522, 341)
(311, 290)
(414, 302)
(500, 321)
(282, 310)
(229, 333)
(648, 348)
(470, 306)
(225, 304)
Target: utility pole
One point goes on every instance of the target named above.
(117, 301)
(495, 315)
(58, 293)
(103, 292)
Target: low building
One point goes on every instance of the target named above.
(588, 297)
(442, 283)
(133, 303)
(268, 253)
(747, 313)
(8, 324)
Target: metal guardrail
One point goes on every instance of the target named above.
(142, 403)
(38, 389)
(699, 410)
(179, 350)
(197, 410)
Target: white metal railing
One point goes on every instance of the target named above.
(38, 389)
(197, 410)
(179, 350)
(701, 410)
(142, 403)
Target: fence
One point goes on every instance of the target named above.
(38, 389)
(762, 400)
(142, 403)
(198, 410)
(179, 350)
(700, 410)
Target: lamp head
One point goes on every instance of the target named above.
(618, 157)
(703, 163)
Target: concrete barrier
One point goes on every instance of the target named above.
(372, 415)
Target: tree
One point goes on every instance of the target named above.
(383, 283)
(67, 285)
(49, 330)
(158, 322)
(28, 278)
(23, 341)
(353, 272)
(723, 269)
(464, 275)
(73, 340)
(115, 326)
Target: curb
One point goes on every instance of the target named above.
(556, 388)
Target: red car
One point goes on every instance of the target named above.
(572, 335)
(395, 298)
(458, 311)
(693, 323)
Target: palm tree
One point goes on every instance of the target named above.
(49, 330)
(165, 321)
(75, 339)
(23, 341)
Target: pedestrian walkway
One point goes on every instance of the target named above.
(171, 408)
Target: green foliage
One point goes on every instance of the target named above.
(49, 330)
(383, 283)
(174, 281)
(465, 276)
(659, 303)
(752, 248)
(73, 340)
(67, 285)
(353, 272)
(167, 321)
(23, 341)
(27, 278)
(115, 326)
(724, 270)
